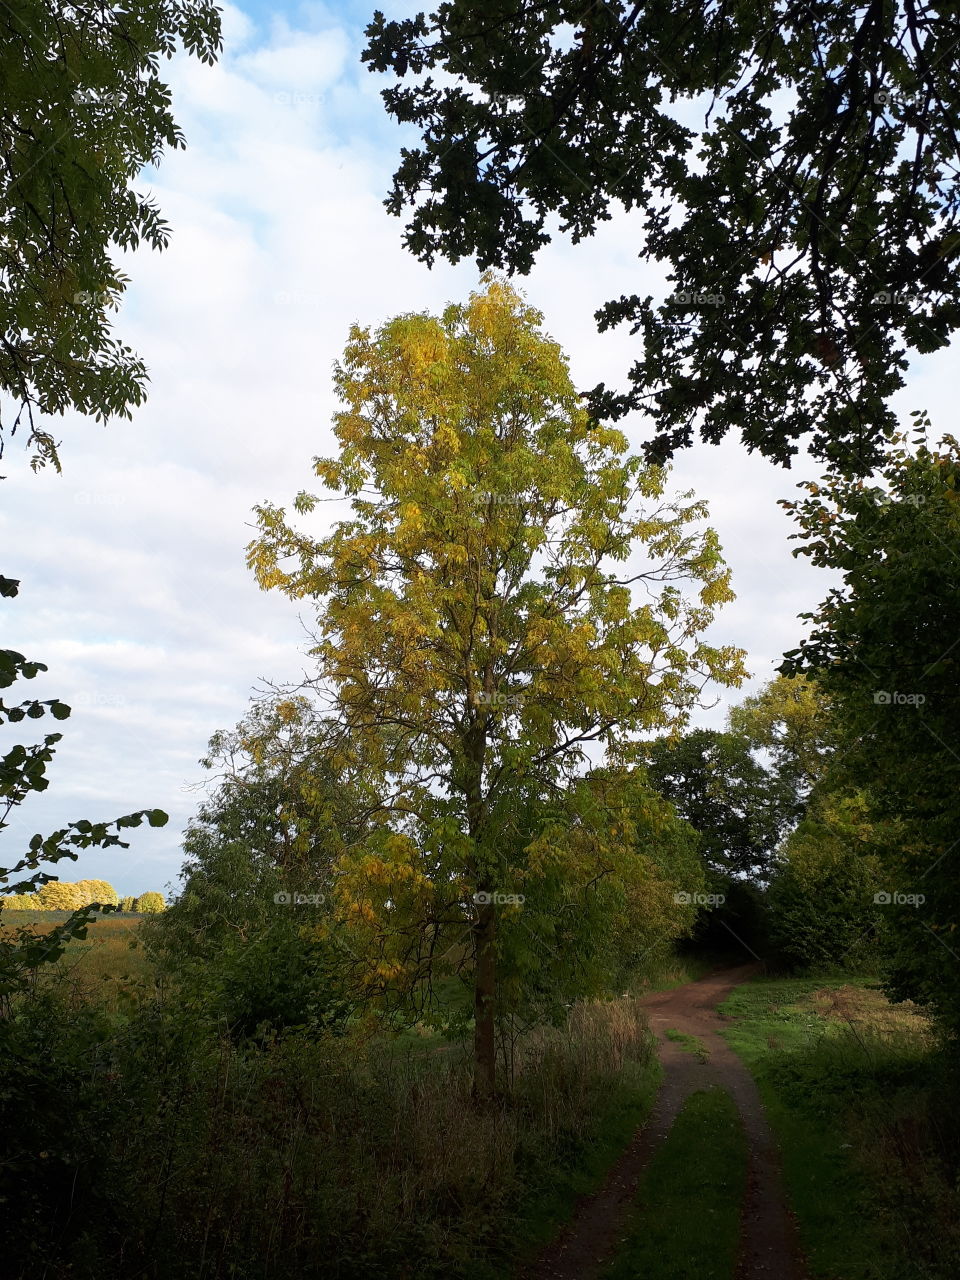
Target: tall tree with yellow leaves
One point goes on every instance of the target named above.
(478, 623)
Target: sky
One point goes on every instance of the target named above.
(134, 589)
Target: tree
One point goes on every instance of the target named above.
(823, 896)
(739, 809)
(62, 895)
(280, 791)
(883, 647)
(19, 902)
(97, 891)
(59, 895)
(83, 110)
(150, 903)
(127, 903)
(259, 859)
(808, 227)
(602, 876)
(277, 820)
(790, 720)
(652, 902)
(473, 636)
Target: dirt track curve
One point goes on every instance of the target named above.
(769, 1249)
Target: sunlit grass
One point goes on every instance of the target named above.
(110, 966)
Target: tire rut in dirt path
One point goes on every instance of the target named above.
(769, 1249)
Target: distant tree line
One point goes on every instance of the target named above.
(61, 895)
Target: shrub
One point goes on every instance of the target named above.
(300, 1155)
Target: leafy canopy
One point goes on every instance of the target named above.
(62, 895)
(479, 603)
(83, 110)
(822, 898)
(792, 165)
(789, 719)
(883, 647)
(259, 862)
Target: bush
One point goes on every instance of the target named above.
(162, 1143)
(274, 981)
(245, 957)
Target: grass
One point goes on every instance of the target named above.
(855, 1090)
(687, 1220)
(29, 916)
(688, 1043)
(110, 966)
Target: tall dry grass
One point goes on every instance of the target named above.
(111, 966)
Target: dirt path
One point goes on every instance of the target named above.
(768, 1248)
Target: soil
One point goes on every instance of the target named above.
(769, 1248)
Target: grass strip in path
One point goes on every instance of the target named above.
(687, 1219)
(688, 1043)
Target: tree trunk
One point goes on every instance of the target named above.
(484, 1003)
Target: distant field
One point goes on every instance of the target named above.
(12, 918)
(109, 965)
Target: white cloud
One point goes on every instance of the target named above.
(298, 63)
